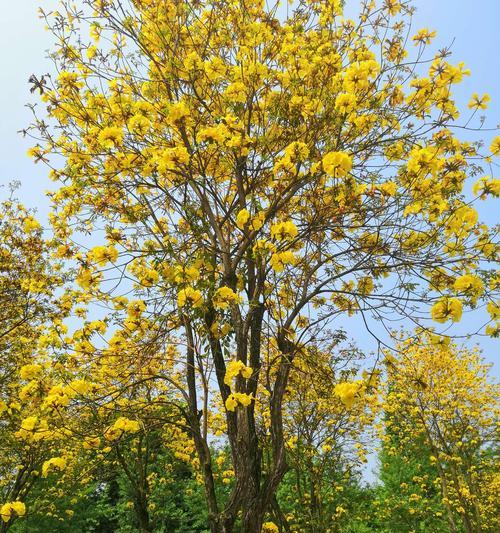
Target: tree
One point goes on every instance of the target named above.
(254, 178)
(28, 280)
(407, 498)
(441, 403)
(328, 419)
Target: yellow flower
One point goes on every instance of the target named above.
(217, 134)
(477, 102)
(263, 247)
(257, 221)
(80, 386)
(189, 296)
(284, 230)
(242, 218)
(29, 423)
(125, 424)
(30, 224)
(135, 308)
(424, 36)
(238, 398)
(56, 463)
(236, 92)
(279, 260)
(469, 284)
(178, 111)
(337, 164)
(234, 369)
(30, 371)
(347, 392)
(104, 254)
(495, 146)
(224, 297)
(447, 309)
(12, 508)
(110, 137)
(231, 403)
(296, 151)
(345, 103)
(269, 527)
(138, 124)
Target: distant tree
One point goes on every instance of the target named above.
(442, 416)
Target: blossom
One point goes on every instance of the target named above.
(224, 297)
(238, 398)
(110, 137)
(447, 309)
(347, 391)
(104, 254)
(125, 424)
(30, 224)
(495, 146)
(469, 284)
(236, 92)
(345, 103)
(424, 36)
(122, 425)
(236, 368)
(29, 423)
(337, 164)
(479, 102)
(189, 296)
(30, 371)
(56, 463)
(178, 111)
(485, 186)
(10, 509)
(284, 230)
(242, 218)
(139, 124)
(279, 260)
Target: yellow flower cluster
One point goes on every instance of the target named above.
(469, 284)
(122, 425)
(54, 464)
(11, 509)
(235, 369)
(495, 146)
(337, 164)
(255, 223)
(284, 230)
(110, 137)
(190, 296)
(279, 260)
(30, 371)
(487, 186)
(224, 297)
(30, 224)
(347, 392)
(103, 254)
(238, 398)
(447, 309)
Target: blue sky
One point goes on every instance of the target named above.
(472, 27)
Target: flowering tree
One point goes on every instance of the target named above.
(27, 281)
(440, 399)
(255, 176)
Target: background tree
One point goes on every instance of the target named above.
(28, 280)
(328, 418)
(441, 402)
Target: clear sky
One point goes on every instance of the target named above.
(471, 26)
